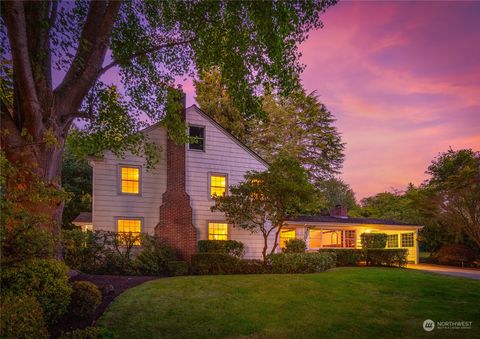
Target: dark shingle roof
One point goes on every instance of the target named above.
(84, 217)
(329, 219)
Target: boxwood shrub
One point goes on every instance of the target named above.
(300, 262)
(45, 279)
(213, 263)
(86, 297)
(177, 268)
(22, 317)
(250, 266)
(230, 247)
(295, 246)
(373, 240)
(346, 256)
(386, 257)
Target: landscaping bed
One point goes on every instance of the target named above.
(111, 286)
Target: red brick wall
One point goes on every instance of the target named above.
(175, 226)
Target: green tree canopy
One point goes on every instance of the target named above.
(263, 201)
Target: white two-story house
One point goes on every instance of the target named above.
(173, 200)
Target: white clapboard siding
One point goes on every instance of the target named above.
(223, 154)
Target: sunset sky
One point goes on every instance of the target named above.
(403, 81)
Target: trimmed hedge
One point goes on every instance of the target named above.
(230, 247)
(22, 317)
(300, 262)
(45, 279)
(386, 257)
(250, 266)
(86, 297)
(295, 246)
(177, 268)
(346, 256)
(154, 258)
(213, 263)
(373, 240)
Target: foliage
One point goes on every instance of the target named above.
(89, 333)
(85, 299)
(336, 192)
(45, 279)
(22, 317)
(454, 191)
(295, 246)
(84, 251)
(373, 240)
(155, 257)
(300, 262)
(230, 247)
(251, 266)
(386, 257)
(263, 201)
(456, 254)
(297, 125)
(77, 182)
(213, 263)
(177, 268)
(346, 256)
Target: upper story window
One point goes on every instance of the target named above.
(197, 132)
(217, 231)
(130, 179)
(218, 185)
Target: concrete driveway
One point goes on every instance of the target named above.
(472, 273)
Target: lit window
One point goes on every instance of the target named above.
(218, 185)
(407, 240)
(198, 133)
(130, 180)
(332, 238)
(315, 239)
(217, 231)
(392, 240)
(350, 238)
(286, 234)
(131, 227)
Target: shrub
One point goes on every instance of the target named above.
(154, 257)
(45, 279)
(295, 246)
(177, 268)
(300, 262)
(373, 240)
(346, 256)
(230, 247)
(455, 254)
(86, 297)
(213, 263)
(84, 251)
(117, 264)
(89, 333)
(22, 317)
(250, 266)
(386, 257)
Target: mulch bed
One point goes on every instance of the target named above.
(111, 287)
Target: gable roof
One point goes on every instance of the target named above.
(231, 136)
(330, 219)
(83, 217)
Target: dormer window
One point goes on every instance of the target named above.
(198, 133)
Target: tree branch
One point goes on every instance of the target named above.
(143, 53)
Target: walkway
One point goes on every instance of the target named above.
(447, 270)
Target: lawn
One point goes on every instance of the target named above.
(344, 302)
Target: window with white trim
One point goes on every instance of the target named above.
(131, 228)
(392, 240)
(218, 185)
(407, 240)
(130, 179)
(198, 133)
(217, 231)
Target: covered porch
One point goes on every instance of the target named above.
(319, 235)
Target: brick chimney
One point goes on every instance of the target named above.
(175, 226)
(339, 211)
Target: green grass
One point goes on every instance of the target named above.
(344, 302)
